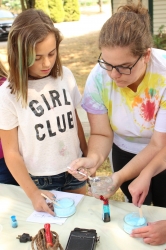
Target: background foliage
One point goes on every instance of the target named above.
(58, 10)
(72, 12)
(42, 5)
(160, 39)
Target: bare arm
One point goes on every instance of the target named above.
(133, 168)
(156, 165)
(81, 136)
(99, 145)
(15, 163)
(101, 138)
(140, 186)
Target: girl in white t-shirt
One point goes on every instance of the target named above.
(40, 130)
(125, 97)
(5, 175)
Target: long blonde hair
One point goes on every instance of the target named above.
(129, 26)
(29, 28)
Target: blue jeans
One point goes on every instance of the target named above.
(60, 182)
(5, 175)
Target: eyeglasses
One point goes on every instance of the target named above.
(120, 69)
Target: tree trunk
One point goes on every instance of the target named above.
(100, 5)
(23, 7)
(27, 4)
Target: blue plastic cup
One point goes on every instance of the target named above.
(133, 221)
(66, 208)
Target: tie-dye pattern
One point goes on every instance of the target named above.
(132, 115)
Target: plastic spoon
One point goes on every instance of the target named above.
(45, 196)
(94, 179)
(140, 212)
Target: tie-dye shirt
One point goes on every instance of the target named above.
(133, 115)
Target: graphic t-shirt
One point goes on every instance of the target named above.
(133, 115)
(47, 128)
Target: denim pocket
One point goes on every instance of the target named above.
(41, 182)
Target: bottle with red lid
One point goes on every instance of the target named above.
(106, 209)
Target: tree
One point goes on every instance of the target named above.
(56, 9)
(42, 5)
(100, 5)
(15, 4)
(27, 4)
(72, 12)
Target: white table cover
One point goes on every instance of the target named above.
(13, 201)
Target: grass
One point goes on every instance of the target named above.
(80, 54)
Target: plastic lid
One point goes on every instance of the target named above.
(105, 202)
(13, 218)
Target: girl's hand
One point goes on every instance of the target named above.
(139, 189)
(39, 202)
(84, 165)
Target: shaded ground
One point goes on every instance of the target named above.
(80, 54)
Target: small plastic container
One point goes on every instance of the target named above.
(100, 184)
(14, 221)
(66, 208)
(133, 221)
(106, 211)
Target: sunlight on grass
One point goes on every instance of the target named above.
(80, 55)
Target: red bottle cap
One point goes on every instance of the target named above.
(103, 199)
(48, 235)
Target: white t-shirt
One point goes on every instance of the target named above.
(47, 128)
(133, 115)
